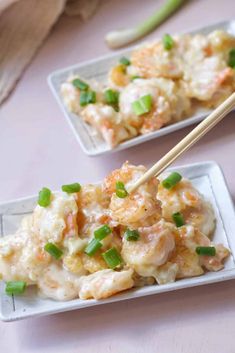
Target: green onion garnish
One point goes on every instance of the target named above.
(91, 97)
(168, 42)
(146, 101)
(121, 193)
(125, 61)
(173, 179)
(93, 246)
(71, 188)
(112, 258)
(131, 235)
(83, 99)
(53, 250)
(121, 190)
(111, 96)
(142, 105)
(206, 250)
(102, 232)
(44, 197)
(83, 86)
(231, 60)
(135, 78)
(87, 97)
(178, 219)
(15, 287)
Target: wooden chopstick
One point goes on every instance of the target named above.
(198, 132)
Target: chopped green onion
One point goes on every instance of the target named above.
(93, 246)
(71, 188)
(121, 190)
(146, 101)
(111, 96)
(231, 60)
(87, 97)
(131, 235)
(53, 250)
(91, 97)
(83, 99)
(206, 250)
(142, 105)
(44, 197)
(173, 179)
(15, 287)
(125, 61)
(112, 258)
(168, 42)
(135, 78)
(121, 193)
(102, 232)
(118, 38)
(137, 108)
(83, 86)
(178, 219)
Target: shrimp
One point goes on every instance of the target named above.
(152, 60)
(71, 94)
(204, 78)
(160, 112)
(215, 263)
(152, 250)
(166, 273)
(193, 237)
(93, 210)
(107, 122)
(71, 97)
(189, 263)
(169, 103)
(52, 223)
(56, 283)
(93, 203)
(139, 207)
(105, 283)
(128, 173)
(186, 199)
(221, 42)
(93, 263)
(118, 76)
(205, 70)
(22, 257)
(184, 256)
(73, 263)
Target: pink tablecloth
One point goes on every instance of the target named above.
(37, 148)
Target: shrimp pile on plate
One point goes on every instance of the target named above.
(97, 240)
(163, 82)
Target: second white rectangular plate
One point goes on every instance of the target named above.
(91, 143)
(208, 179)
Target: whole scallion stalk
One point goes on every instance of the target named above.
(119, 38)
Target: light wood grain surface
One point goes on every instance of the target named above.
(37, 148)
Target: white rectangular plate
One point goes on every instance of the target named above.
(208, 179)
(91, 143)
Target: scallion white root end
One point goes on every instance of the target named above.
(122, 37)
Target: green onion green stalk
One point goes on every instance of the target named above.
(122, 37)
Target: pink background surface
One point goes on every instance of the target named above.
(37, 148)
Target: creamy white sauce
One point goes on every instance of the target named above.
(50, 222)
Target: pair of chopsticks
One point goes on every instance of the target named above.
(188, 141)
